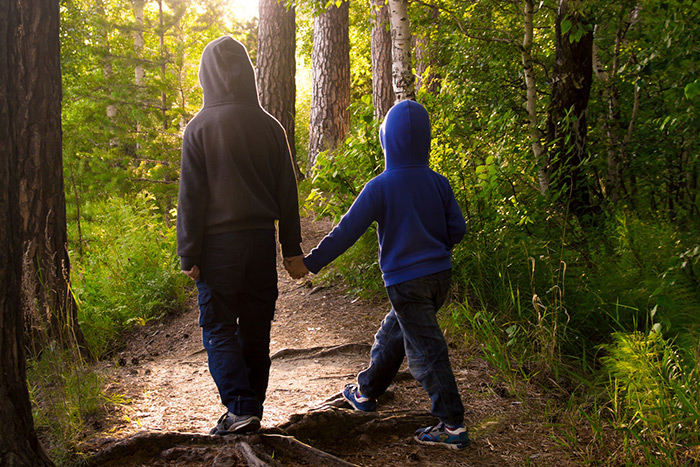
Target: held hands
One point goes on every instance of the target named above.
(192, 273)
(295, 266)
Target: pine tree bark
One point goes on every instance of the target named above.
(50, 311)
(19, 35)
(382, 89)
(402, 70)
(567, 128)
(330, 75)
(276, 65)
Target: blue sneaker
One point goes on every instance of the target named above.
(352, 394)
(455, 437)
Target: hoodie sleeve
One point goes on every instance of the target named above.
(351, 227)
(288, 201)
(191, 207)
(456, 226)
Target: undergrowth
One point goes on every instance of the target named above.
(128, 272)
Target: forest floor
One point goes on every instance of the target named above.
(320, 340)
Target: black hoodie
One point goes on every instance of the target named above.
(237, 171)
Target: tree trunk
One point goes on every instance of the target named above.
(402, 70)
(276, 65)
(617, 157)
(22, 48)
(139, 72)
(49, 306)
(330, 75)
(566, 122)
(382, 89)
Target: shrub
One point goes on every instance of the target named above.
(128, 272)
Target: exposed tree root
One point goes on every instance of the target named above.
(170, 448)
(272, 448)
(334, 423)
(317, 352)
(301, 452)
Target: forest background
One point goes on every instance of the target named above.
(569, 133)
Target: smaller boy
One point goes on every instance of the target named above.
(418, 223)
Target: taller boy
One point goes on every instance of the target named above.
(237, 178)
(418, 223)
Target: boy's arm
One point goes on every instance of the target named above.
(351, 227)
(191, 207)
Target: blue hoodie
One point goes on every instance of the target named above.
(418, 219)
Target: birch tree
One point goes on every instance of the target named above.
(402, 71)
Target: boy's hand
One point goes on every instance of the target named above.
(295, 266)
(192, 273)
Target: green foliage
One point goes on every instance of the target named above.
(339, 175)
(655, 387)
(65, 396)
(128, 272)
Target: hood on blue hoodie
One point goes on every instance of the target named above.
(226, 73)
(405, 135)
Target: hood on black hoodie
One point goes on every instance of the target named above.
(405, 135)
(226, 73)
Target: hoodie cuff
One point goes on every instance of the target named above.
(289, 250)
(186, 262)
(312, 265)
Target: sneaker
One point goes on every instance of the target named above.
(443, 435)
(230, 423)
(352, 394)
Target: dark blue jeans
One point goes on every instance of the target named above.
(411, 329)
(237, 295)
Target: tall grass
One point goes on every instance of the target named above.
(128, 272)
(65, 394)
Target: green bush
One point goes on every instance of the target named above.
(128, 272)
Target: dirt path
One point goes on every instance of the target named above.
(320, 340)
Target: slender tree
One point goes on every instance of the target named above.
(19, 40)
(536, 135)
(618, 160)
(382, 90)
(276, 64)
(402, 69)
(330, 74)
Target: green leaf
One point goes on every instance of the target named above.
(692, 90)
(565, 26)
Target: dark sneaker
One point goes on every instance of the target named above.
(352, 394)
(442, 435)
(230, 423)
